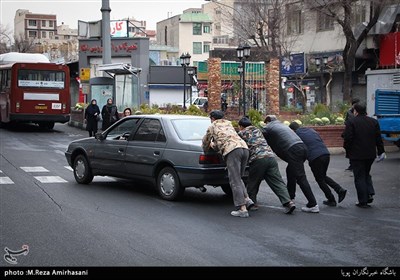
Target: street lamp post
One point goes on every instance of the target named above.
(185, 61)
(321, 68)
(243, 52)
(191, 73)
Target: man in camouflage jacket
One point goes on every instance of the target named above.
(222, 137)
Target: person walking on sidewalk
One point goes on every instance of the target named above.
(222, 137)
(363, 142)
(290, 148)
(318, 158)
(109, 114)
(92, 116)
(263, 166)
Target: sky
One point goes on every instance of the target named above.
(70, 11)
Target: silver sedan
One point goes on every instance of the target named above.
(162, 149)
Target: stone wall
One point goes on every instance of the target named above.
(273, 84)
(214, 84)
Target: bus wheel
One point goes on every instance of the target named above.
(82, 171)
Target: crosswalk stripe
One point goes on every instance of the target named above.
(34, 169)
(5, 181)
(50, 179)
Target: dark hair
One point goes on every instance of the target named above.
(245, 122)
(270, 118)
(355, 101)
(294, 126)
(361, 108)
(129, 109)
(216, 114)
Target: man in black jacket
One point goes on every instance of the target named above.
(318, 158)
(290, 148)
(362, 139)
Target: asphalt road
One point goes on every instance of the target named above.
(114, 222)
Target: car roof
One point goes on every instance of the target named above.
(169, 116)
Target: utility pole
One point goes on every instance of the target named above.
(105, 31)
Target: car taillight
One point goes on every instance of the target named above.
(209, 159)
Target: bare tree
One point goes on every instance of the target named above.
(23, 45)
(341, 11)
(5, 39)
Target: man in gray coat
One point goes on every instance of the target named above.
(290, 148)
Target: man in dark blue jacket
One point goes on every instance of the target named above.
(362, 142)
(289, 147)
(318, 158)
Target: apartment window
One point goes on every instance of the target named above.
(206, 29)
(51, 34)
(32, 34)
(217, 26)
(66, 37)
(51, 23)
(324, 22)
(43, 34)
(32, 22)
(359, 12)
(221, 40)
(294, 21)
(197, 48)
(196, 28)
(206, 48)
(43, 23)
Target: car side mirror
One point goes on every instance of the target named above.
(99, 136)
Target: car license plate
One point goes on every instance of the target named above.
(38, 107)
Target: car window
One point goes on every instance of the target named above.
(150, 130)
(126, 127)
(191, 129)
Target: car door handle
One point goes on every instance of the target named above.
(121, 150)
(156, 153)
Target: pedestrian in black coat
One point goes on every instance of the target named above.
(92, 115)
(363, 142)
(109, 113)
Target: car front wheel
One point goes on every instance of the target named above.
(82, 171)
(168, 184)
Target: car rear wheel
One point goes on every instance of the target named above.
(227, 189)
(82, 171)
(168, 184)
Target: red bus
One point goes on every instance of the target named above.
(35, 92)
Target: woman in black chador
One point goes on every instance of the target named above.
(109, 113)
(92, 115)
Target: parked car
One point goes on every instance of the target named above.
(197, 101)
(162, 149)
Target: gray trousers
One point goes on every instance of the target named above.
(236, 162)
(266, 169)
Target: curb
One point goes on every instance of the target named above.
(340, 150)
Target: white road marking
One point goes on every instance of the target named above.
(50, 179)
(34, 169)
(5, 181)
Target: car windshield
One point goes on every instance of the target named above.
(191, 129)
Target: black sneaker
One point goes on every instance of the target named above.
(341, 195)
(289, 207)
(370, 198)
(363, 205)
(329, 203)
